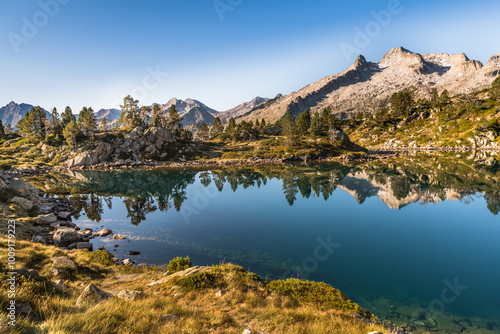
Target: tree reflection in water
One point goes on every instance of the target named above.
(423, 179)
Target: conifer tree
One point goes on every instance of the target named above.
(304, 123)
(203, 131)
(67, 116)
(70, 133)
(217, 128)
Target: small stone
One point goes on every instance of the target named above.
(130, 295)
(132, 253)
(169, 318)
(63, 262)
(101, 248)
(92, 294)
(104, 232)
(247, 331)
(116, 245)
(128, 262)
(375, 332)
(119, 237)
(60, 286)
(39, 239)
(24, 309)
(219, 293)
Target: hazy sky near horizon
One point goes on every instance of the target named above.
(223, 52)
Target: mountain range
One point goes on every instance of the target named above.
(365, 84)
(361, 88)
(13, 113)
(193, 112)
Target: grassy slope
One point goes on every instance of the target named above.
(246, 302)
(455, 124)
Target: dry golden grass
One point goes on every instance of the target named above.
(245, 302)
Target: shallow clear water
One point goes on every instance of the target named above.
(414, 243)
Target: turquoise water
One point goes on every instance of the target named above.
(416, 246)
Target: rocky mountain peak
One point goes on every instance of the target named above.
(494, 61)
(401, 56)
(360, 63)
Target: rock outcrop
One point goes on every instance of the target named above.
(134, 146)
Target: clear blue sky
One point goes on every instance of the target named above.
(92, 53)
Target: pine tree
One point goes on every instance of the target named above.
(33, 124)
(156, 117)
(217, 128)
(231, 128)
(203, 131)
(315, 125)
(304, 123)
(104, 124)
(262, 127)
(67, 116)
(70, 133)
(2, 130)
(174, 119)
(8, 129)
(130, 116)
(144, 115)
(87, 121)
(55, 122)
(495, 88)
(289, 129)
(327, 118)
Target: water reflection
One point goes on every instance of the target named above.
(423, 179)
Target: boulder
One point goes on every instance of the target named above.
(46, 219)
(119, 237)
(65, 236)
(273, 131)
(60, 286)
(58, 273)
(130, 295)
(63, 214)
(23, 203)
(132, 253)
(338, 135)
(91, 294)
(104, 232)
(19, 186)
(84, 245)
(29, 273)
(63, 262)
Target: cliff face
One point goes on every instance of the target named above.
(364, 83)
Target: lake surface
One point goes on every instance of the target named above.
(415, 241)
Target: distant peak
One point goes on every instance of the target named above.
(494, 61)
(400, 54)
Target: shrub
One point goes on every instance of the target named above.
(101, 256)
(317, 293)
(179, 264)
(204, 280)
